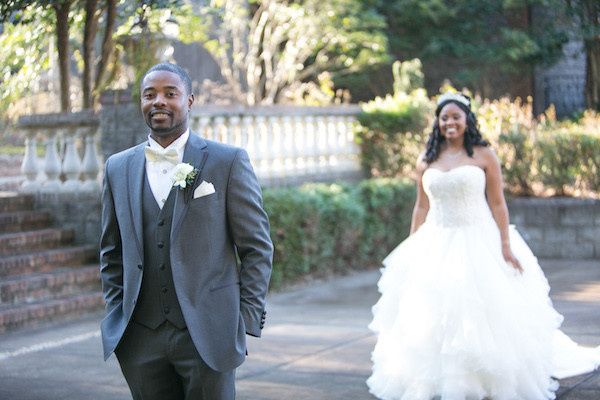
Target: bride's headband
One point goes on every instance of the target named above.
(449, 96)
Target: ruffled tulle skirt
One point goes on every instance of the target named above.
(456, 321)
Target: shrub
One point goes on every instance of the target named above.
(318, 229)
(390, 129)
(515, 151)
(557, 160)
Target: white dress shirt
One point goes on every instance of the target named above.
(160, 173)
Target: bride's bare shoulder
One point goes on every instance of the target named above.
(485, 155)
(421, 165)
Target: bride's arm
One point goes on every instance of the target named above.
(422, 202)
(495, 198)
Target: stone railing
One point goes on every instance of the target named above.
(70, 161)
(287, 145)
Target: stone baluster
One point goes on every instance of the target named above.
(90, 166)
(234, 136)
(287, 145)
(29, 166)
(219, 129)
(340, 141)
(260, 147)
(273, 144)
(312, 150)
(204, 127)
(299, 140)
(247, 132)
(51, 164)
(323, 143)
(71, 163)
(333, 140)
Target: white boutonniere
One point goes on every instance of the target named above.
(184, 175)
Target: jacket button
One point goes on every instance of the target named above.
(166, 310)
(140, 266)
(162, 266)
(164, 289)
(161, 245)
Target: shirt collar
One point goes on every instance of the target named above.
(178, 144)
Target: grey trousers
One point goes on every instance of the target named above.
(163, 364)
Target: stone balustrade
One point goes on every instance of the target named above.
(287, 145)
(70, 159)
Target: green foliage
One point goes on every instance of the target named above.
(390, 130)
(388, 207)
(558, 160)
(515, 150)
(24, 55)
(473, 39)
(318, 229)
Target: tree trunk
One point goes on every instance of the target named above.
(591, 19)
(61, 10)
(108, 47)
(89, 35)
(592, 78)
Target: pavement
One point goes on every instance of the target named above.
(315, 346)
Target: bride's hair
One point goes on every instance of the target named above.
(472, 135)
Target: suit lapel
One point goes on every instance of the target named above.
(135, 182)
(195, 153)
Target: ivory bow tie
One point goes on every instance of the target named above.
(154, 155)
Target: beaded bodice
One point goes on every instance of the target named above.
(456, 197)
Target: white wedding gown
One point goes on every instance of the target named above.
(455, 320)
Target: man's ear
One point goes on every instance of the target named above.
(190, 101)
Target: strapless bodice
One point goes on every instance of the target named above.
(457, 196)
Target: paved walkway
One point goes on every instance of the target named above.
(316, 345)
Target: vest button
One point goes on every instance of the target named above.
(162, 266)
(161, 222)
(140, 266)
(160, 245)
(164, 289)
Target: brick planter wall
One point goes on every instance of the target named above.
(558, 227)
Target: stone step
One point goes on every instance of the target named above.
(62, 282)
(34, 314)
(47, 260)
(24, 242)
(17, 221)
(12, 201)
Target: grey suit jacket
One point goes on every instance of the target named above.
(221, 299)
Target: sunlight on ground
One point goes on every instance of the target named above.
(586, 292)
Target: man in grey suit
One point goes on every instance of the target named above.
(185, 253)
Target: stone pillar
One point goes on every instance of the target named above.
(121, 121)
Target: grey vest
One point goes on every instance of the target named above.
(157, 301)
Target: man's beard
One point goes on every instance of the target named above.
(166, 131)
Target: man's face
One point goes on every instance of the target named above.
(165, 104)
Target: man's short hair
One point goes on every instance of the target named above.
(176, 69)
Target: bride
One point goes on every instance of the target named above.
(464, 311)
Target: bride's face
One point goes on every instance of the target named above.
(452, 121)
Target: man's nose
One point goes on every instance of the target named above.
(159, 100)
